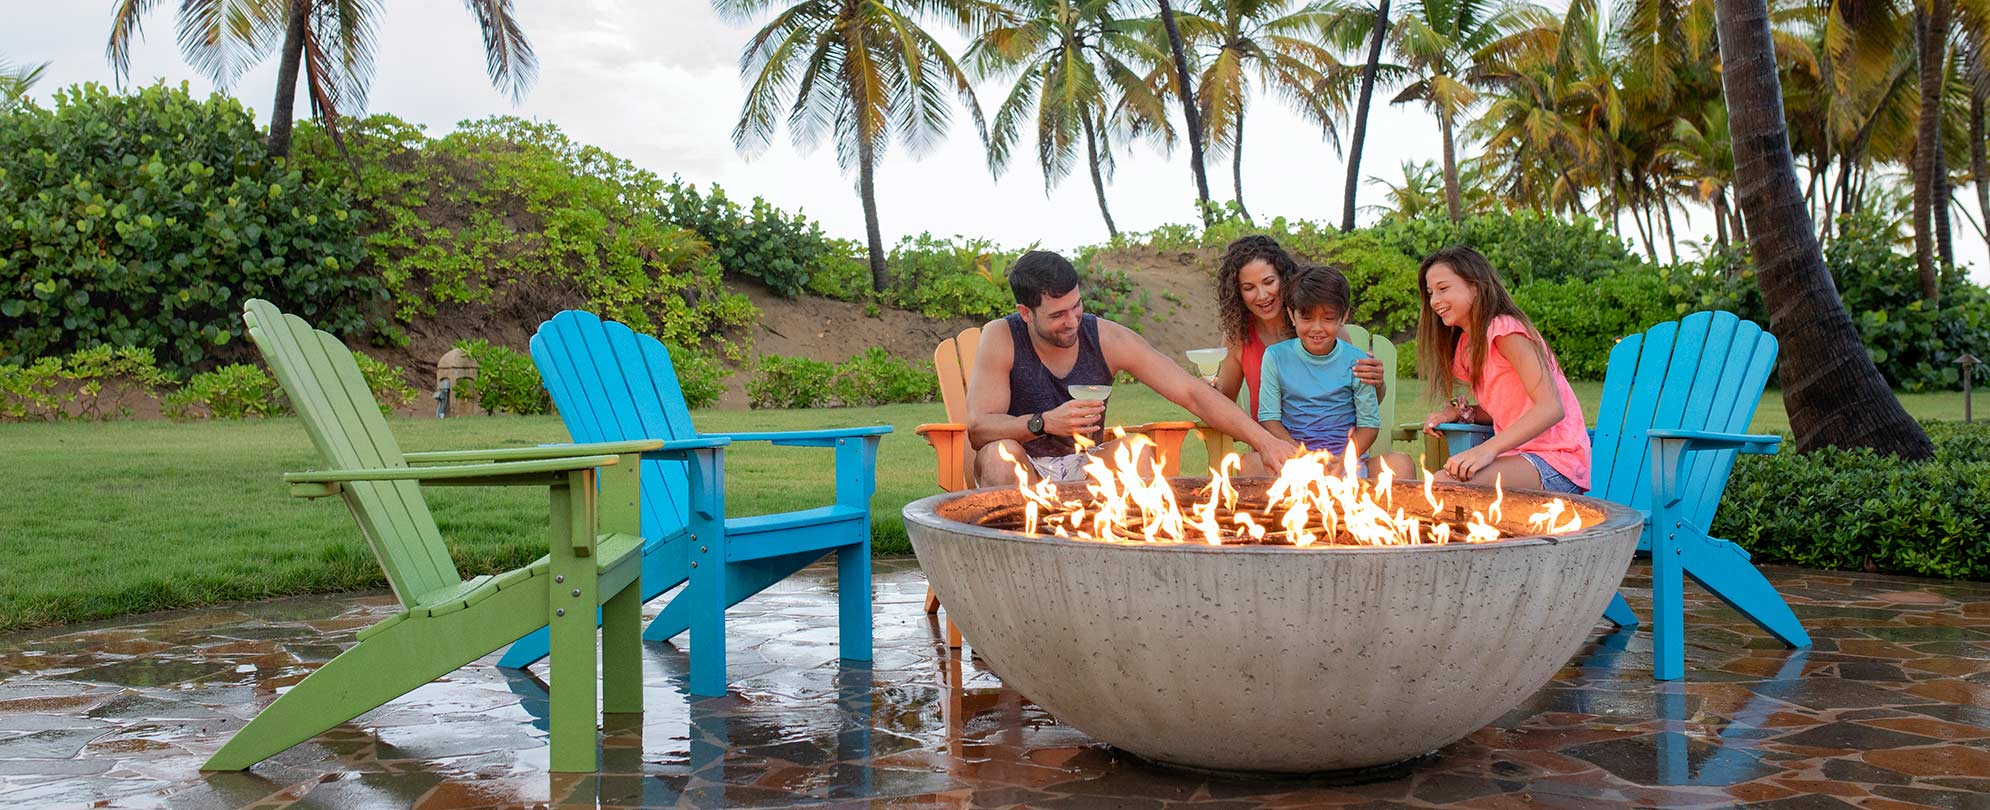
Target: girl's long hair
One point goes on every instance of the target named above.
(1437, 344)
(1232, 312)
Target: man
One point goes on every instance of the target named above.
(1018, 396)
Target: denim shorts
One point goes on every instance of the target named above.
(1552, 479)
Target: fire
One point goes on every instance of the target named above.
(1318, 499)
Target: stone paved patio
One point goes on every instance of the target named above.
(1891, 709)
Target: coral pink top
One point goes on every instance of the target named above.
(1253, 363)
(1565, 445)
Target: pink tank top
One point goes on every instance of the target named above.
(1253, 363)
(1565, 445)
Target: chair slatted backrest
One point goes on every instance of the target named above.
(1384, 352)
(953, 360)
(330, 395)
(612, 384)
(1703, 372)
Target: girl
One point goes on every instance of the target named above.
(1471, 332)
(1253, 317)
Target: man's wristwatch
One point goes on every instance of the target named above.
(1035, 424)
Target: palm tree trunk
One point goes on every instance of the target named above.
(866, 188)
(1361, 114)
(286, 78)
(1831, 389)
(1452, 202)
(1929, 27)
(1979, 157)
(1671, 239)
(1189, 114)
(1098, 180)
(1237, 166)
(1944, 197)
(1720, 218)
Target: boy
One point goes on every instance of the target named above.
(1308, 393)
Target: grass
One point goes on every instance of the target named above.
(123, 517)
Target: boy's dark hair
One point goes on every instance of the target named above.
(1039, 273)
(1317, 285)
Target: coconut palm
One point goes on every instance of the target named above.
(16, 80)
(1280, 43)
(1185, 90)
(1444, 44)
(1377, 24)
(1832, 390)
(856, 73)
(1070, 60)
(332, 41)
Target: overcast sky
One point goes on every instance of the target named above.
(659, 84)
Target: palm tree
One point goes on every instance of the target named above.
(1931, 35)
(16, 80)
(331, 40)
(1378, 24)
(1068, 57)
(856, 72)
(1832, 390)
(1186, 92)
(1444, 44)
(1705, 155)
(1282, 46)
(1420, 194)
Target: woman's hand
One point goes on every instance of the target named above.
(1368, 370)
(1467, 464)
(1449, 413)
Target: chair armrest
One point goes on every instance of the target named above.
(536, 472)
(1169, 425)
(805, 438)
(1756, 443)
(1462, 436)
(949, 442)
(543, 451)
(684, 449)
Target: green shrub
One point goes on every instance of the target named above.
(144, 219)
(699, 376)
(506, 381)
(89, 382)
(1523, 246)
(1914, 347)
(1856, 510)
(1582, 320)
(1107, 292)
(790, 382)
(950, 278)
(875, 377)
(761, 241)
(388, 382)
(460, 219)
(235, 391)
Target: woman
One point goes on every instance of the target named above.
(1253, 317)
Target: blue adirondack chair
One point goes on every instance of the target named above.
(607, 380)
(1675, 402)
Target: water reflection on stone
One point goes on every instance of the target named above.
(1890, 709)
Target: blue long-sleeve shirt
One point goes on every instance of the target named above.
(1315, 396)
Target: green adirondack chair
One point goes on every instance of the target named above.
(1377, 347)
(447, 621)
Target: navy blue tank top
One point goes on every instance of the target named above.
(1034, 389)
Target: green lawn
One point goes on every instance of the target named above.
(106, 519)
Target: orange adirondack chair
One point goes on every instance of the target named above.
(953, 360)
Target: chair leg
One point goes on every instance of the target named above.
(853, 600)
(932, 601)
(708, 602)
(953, 633)
(1719, 567)
(361, 679)
(746, 579)
(622, 652)
(1619, 612)
(1668, 609)
(573, 724)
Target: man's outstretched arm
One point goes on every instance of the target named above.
(1129, 352)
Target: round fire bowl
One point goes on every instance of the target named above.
(1271, 658)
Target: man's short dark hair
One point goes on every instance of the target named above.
(1317, 285)
(1039, 273)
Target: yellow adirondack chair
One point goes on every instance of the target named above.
(952, 361)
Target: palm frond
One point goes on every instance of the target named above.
(508, 56)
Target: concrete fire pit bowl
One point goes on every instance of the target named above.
(1272, 658)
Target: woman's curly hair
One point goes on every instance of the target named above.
(1234, 315)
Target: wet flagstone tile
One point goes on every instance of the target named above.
(1890, 709)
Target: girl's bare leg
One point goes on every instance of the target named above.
(1512, 472)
